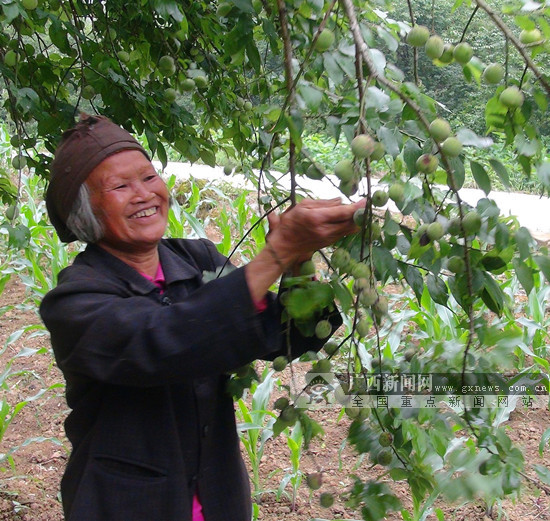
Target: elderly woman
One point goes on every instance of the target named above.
(145, 345)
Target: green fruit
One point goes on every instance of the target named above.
(434, 47)
(358, 216)
(374, 231)
(19, 162)
(340, 259)
(427, 163)
(451, 147)
(248, 106)
(529, 36)
(418, 35)
(307, 268)
(322, 366)
(330, 348)
(368, 297)
(15, 141)
(363, 327)
(380, 307)
(10, 58)
(314, 173)
(348, 188)
(344, 170)
(12, 212)
(511, 97)
(456, 264)
(289, 414)
(359, 284)
(396, 192)
(323, 329)
(493, 73)
(378, 152)
(463, 53)
(325, 40)
(440, 129)
(187, 85)
(471, 223)
(224, 9)
(167, 66)
(201, 82)
(454, 226)
(123, 56)
(170, 95)
(385, 439)
(379, 198)
(435, 231)
(227, 169)
(30, 4)
(361, 271)
(447, 56)
(314, 480)
(384, 457)
(281, 403)
(326, 500)
(362, 146)
(88, 92)
(280, 363)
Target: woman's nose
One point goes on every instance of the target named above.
(141, 191)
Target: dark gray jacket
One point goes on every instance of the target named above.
(146, 374)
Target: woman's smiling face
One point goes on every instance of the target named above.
(131, 201)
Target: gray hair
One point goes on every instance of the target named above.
(82, 221)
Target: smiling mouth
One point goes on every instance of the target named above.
(145, 213)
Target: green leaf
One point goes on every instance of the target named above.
(342, 295)
(480, 176)
(524, 241)
(311, 96)
(492, 295)
(161, 154)
(414, 278)
(469, 138)
(543, 262)
(391, 138)
(524, 274)
(543, 473)
(544, 441)
(437, 289)
(500, 171)
(167, 9)
(543, 173)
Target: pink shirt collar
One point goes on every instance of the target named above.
(158, 280)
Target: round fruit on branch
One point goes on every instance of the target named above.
(418, 35)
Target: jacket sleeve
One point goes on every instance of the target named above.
(99, 333)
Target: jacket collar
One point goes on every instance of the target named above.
(175, 267)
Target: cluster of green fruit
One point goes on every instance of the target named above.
(373, 305)
(462, 53)
(468, 226)
(437, 49)
(363, 146)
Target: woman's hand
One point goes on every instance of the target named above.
(295, 234)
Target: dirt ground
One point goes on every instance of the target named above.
(29, 488)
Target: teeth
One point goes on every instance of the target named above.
(145, 213)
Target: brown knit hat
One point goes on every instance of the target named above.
(81, 149)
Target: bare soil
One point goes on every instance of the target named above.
(29, 488)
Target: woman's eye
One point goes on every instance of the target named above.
(151, 177)
(120, 187)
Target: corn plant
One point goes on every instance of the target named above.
(255, 426)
